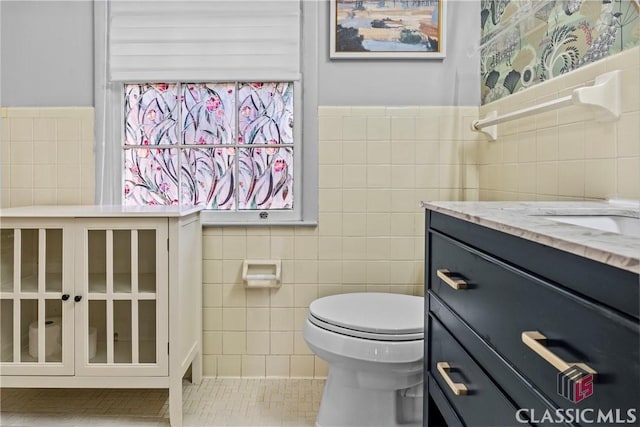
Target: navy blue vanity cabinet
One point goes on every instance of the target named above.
(554, 335)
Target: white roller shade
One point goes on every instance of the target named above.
(206, 40)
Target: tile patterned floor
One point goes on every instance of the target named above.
(215, 402)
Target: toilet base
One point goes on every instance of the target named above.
(344, 404)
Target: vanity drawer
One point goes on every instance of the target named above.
(500, 303)
(582, 275)
(469, 390)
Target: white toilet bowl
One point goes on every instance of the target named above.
(373, 343)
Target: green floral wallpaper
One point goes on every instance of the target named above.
(527, 42)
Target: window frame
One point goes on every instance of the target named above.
(109, 126)
(214, 215)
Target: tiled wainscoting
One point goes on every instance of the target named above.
(566, 154)
(47, 156)
(376, 164)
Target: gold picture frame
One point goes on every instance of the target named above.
(387, 29)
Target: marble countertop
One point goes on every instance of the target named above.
(527, 220)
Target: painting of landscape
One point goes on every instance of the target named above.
(387, 29)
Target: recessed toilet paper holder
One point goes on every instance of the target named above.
(261, 273)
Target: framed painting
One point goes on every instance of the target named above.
(387, 29)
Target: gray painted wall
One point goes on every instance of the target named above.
(47, 60)
(47, 53)
(454, 80)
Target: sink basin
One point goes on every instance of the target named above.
(625, 225)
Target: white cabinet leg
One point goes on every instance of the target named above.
(196, 369)
(175, 402)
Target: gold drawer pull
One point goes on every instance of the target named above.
(456, 388)
(444, 275)
(536, 342)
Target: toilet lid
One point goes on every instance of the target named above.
(377, 313)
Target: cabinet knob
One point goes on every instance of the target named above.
(65, 297)
(77, 298)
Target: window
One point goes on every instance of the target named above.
(223, 146)
(157, 52)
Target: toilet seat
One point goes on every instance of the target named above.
(372, 316)
(374, 347)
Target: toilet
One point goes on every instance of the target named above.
(374, 345)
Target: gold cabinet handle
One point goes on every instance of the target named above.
(456, 388)
(536, 342)
(445, 276)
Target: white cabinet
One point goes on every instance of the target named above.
(101, 297)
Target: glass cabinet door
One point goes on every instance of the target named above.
(36, 283)
(125, 285)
